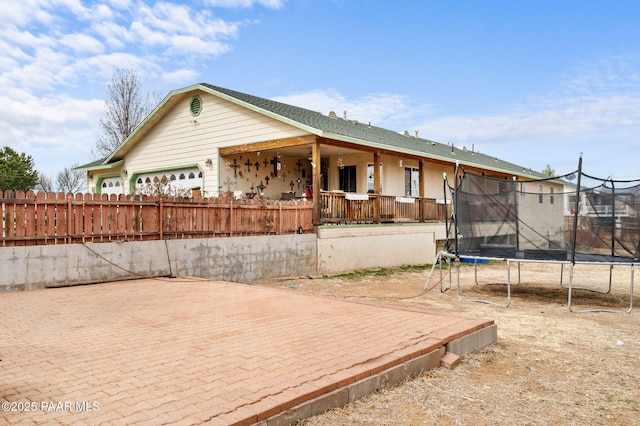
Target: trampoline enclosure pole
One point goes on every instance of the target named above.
(455, 205)
(575, 215)
(446, 216)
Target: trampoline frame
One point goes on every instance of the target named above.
(454, 260)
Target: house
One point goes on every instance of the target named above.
(215, 140)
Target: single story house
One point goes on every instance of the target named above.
(214, 140)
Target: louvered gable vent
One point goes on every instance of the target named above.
(196, 105)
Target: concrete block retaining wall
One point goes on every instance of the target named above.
(333, 250)
(230, 259)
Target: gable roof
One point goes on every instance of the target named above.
(350, 131)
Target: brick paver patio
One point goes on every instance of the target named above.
(190, 351)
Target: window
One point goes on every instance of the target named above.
(540, 197)
(551, 196)
(192, 176)
(112, 185)
(182, 177)
(522, 193)
(139, 181)
(200, 174)
(348, 178)
(411, 178)
(173, 177)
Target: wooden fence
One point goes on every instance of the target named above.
(58, 218)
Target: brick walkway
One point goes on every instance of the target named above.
(201, 352)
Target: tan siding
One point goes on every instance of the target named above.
(177, 140)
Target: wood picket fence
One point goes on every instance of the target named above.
(58, 218)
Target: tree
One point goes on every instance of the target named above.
(16, 171)
(548, 171)
(125, 109)
(45, 183)
(69, 182)
(66, 181)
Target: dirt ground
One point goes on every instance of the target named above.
(550, 366)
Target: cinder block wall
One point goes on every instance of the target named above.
(231, 259)
(245, 259)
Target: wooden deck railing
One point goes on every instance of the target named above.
(58, 218)
(339, 207)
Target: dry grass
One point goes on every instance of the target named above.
(550, 366)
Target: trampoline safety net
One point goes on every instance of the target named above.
(574, 217)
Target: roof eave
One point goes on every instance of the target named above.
(102, 166)
(423, 154)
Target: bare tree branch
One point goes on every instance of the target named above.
(69, 182)
(45, 183)
(125, 109)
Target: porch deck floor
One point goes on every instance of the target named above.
(191, 351)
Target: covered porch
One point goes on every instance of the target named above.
(347, 183)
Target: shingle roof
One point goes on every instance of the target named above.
(366, 134)
(91, 165)
(351, 131)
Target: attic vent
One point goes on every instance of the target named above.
(332, 114)
(406, 133)
(195, 106)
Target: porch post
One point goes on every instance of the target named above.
(421, 190)
(315, 171)
(376, 187)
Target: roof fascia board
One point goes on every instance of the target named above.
(102, 166)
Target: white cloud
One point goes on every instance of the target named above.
(57, 57)
(182, 32)
(599, 100)
(179, 76)
(273, 4)
(82, 43)
(47, 44)
(378, 108)
(49, 124)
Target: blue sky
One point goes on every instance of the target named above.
(531, 82)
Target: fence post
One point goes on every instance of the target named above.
(69, 215)
(161, 220)
(232, 222)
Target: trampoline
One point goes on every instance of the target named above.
(572, 221)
